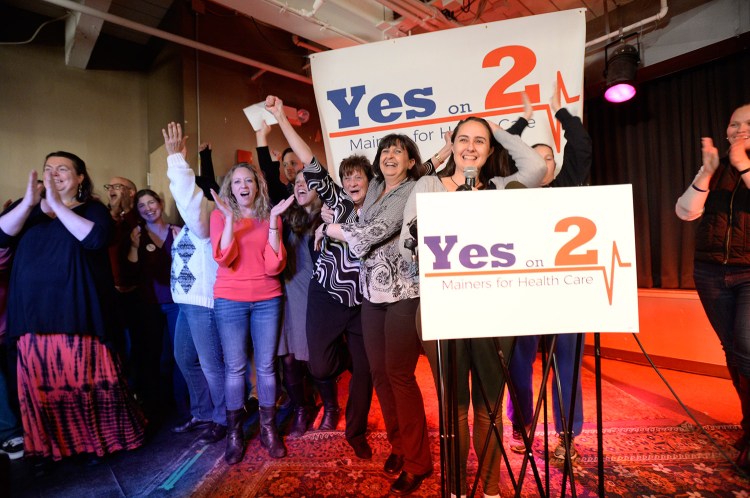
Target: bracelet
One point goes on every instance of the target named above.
(272, 228)
(744, 171)
(437, 157)
(700, 189)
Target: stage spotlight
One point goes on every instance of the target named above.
(620, 70)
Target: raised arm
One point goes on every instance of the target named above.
(12, 222)
(189, 198)
(578, 153)
(271, 169)
(531, 167)
(276, 107)
(522, 122)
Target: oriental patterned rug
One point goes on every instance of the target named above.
(639, 461)
(647, 452)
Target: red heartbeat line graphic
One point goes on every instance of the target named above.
(609, 283)
(454, 118)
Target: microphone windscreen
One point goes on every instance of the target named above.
(514, 184)
(470, 172)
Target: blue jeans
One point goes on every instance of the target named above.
(724, 292)
(238, 320)
(197, 350)
(521, 372)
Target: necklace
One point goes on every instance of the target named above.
(454, 181)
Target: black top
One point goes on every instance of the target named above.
(577, 154)
(59, 284)
(277, 191)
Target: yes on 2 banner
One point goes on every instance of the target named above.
(423, 85)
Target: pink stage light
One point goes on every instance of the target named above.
(621, 92)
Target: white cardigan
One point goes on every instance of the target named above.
(193, 265)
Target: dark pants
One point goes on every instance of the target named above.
(393, 348)
(725, 294)
(335, 342)
(521, 374)
(477, 360)
(129, 309)
(157, 377)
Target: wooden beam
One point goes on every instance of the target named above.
(81, 33)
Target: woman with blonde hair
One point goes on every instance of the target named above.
(246, 241)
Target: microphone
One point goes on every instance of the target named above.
(470, 175)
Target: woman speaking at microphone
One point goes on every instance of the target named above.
(479, 161)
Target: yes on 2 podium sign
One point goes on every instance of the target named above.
(527, 262)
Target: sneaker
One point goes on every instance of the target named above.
(13, 447)
(516, 444)
(559, 453)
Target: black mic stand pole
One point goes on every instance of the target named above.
(599, 413)
(450, 451)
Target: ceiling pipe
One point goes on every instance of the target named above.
(67, 4)
(307, 16)
(302, 44)
(407, 14)
(655, 18)
(416, 11)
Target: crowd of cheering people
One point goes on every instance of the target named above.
(279, 280)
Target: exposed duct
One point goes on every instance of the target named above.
(164, 35)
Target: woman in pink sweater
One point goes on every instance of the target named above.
(246, 241)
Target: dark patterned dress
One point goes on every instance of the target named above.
(61, 308)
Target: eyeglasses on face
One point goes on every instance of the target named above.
(115, 186)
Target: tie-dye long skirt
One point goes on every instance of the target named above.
(74, 398)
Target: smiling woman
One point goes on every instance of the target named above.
(390, 284)
(60, 313)
(245, 236)
(150, 260)
(483, 146)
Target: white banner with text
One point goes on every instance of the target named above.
(423, 85)
(527, 262)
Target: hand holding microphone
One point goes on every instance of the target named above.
(470, 176)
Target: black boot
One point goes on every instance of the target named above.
(269, 436)
(235, 438)
(301, 419)
(329, 394)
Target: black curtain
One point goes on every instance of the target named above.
(653, 143)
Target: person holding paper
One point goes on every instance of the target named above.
(334, 327)
(720, 196)
(478, 152)
(573, 173)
